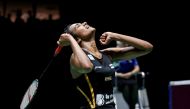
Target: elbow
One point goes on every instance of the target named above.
(148, 47)
(87, 65)
(87, 68)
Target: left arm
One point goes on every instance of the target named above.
(138, 47)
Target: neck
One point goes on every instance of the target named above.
(90, 46)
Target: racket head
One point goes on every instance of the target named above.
(29, 94)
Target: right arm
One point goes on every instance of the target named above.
(79, 61)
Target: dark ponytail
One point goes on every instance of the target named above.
(67, 30)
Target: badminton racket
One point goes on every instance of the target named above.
(32, 89)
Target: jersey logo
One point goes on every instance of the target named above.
(102, 99)
(108, 78)
(91, 57)
(111, 65)
(97, 67)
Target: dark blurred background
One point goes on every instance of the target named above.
(29, 31)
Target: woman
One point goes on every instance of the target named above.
(91, 68)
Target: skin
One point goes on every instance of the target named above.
(79, 61)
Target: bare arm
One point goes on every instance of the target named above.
(138, 47)
(79, 61)
(135, 70)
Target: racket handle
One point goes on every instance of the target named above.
(57, 50)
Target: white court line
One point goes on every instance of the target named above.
(181, 82)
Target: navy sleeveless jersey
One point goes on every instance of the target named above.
(96, 88)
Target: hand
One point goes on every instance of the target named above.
(105, 38)
(123, 75)
(64, 39)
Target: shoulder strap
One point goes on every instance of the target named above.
(92, 58)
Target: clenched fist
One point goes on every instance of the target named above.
(105, 38)
(64, 39)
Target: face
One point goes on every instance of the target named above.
(82, 30)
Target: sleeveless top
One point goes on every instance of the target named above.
(96, 88)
